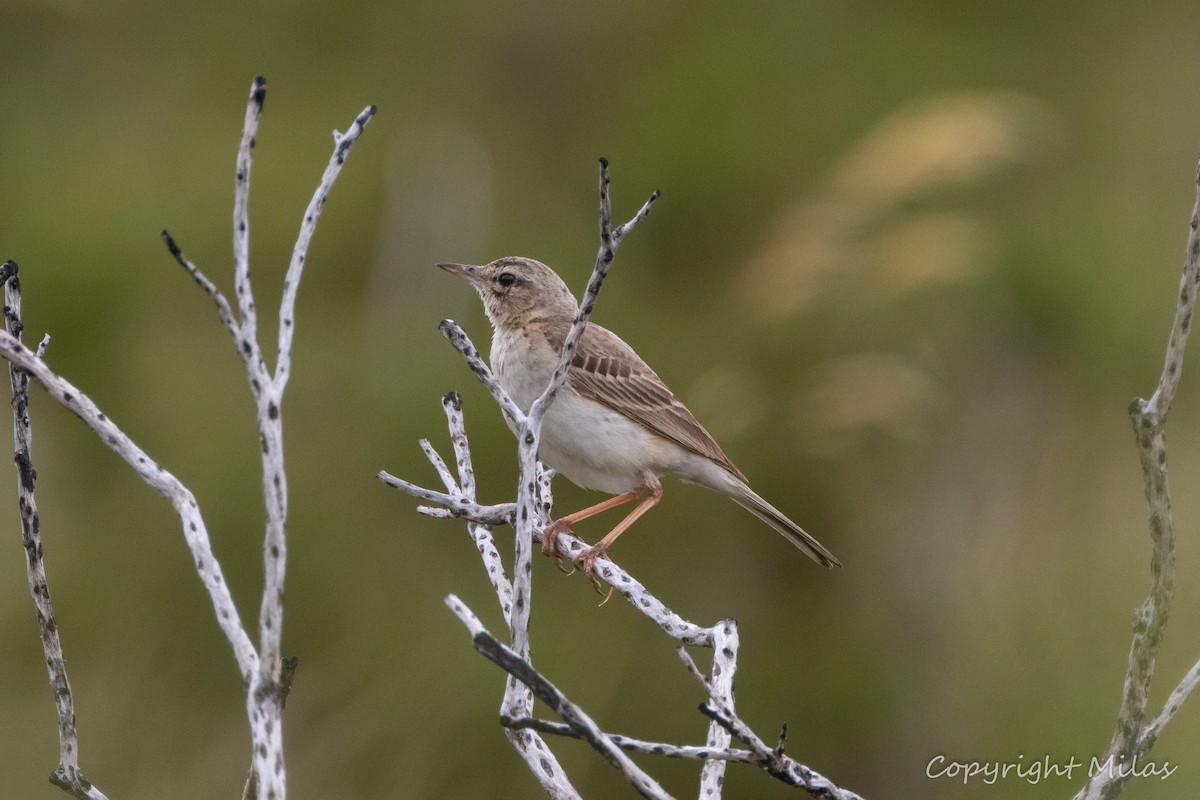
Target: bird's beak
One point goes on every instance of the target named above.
(463, 271)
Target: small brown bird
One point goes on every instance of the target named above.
(615, 426)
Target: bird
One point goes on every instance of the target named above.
(614, 426)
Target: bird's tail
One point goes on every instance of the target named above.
(746, 497)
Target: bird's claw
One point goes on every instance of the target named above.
(550, 536)
(586, 561)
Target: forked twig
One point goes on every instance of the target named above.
(266, 674)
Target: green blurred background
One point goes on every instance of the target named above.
(910, 266)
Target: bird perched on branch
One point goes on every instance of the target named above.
(615, 426)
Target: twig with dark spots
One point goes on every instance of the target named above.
(267, 388)
(1133, 737)
(520, 669)
(68, 774)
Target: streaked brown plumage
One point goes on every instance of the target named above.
(615, 426)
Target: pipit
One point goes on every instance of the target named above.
(615, 426)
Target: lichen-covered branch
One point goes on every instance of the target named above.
(575, 717)
(458, 338)
(194, 530)
(1132, 736)
(632, 745)
(68, 775)
(264, 696)
(342, 142)
(266, 674)
(771, 760)
(724, 666)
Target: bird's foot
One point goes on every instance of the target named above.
(586, 561)
(550, 536)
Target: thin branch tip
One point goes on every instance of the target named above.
(258, 91)
(172, 247)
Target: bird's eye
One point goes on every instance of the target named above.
(506, 279)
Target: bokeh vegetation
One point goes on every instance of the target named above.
(910, 266)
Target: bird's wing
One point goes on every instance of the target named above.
(607, 370)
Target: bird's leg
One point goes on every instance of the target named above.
(649, 495)
(563, 525)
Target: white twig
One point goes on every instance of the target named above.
(1132, 736)
(724, 667)
(518, 699)
(194, 530)
(223, 308)
(264, 695)
(771, 760)
(545, 493)
(481, 532)
(529, 745)
(241, 216)
(632, 745)
(342, 143)
(456, 504)
(519, 668)
(68, 775)
(438, 464)
(462, 343)
(1181, 692)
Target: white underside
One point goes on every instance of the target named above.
(592, 445)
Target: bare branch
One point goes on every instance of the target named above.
(241, 217)
(462, 343)
(1132, 737)
(575, 717)
(724, 667)
(770, 760)
(266, 674)
(223, 309)
(609, 242)
(628, 743)
(342, 142)
(442, 470)
(68, 775)
(166, 484)
(264, 695)
(1181, 693)
(456, 504)
(480, 531)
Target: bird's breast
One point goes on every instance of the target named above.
(523, 362)
(589, 443)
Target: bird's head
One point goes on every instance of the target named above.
(515, 290)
